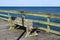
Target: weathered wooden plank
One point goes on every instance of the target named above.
(3, 18)
(3, 15)
(43, 15)
(55, 24)
(56, 32)
(10, 11)
(52, 31)
(47, 23)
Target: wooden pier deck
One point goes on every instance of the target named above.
(6, 34)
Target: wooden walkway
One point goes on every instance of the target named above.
(6, 34)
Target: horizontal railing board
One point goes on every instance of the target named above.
(10, 11)
(52, 31)
(38, 15)
(51, 23)
(3, 18)
(3, 15)
(44, 15)
(56, 32)
(55, 24)
(42, 28)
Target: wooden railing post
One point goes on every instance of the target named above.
(9, 20)
(48, 26)
(23, 17)
(9, 16)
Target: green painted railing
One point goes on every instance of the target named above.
(48, 16)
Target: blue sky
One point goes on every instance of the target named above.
(29, 2)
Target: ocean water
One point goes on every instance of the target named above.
(55, 10)
(49, 10)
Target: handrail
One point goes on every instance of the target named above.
(33, 14)
(9, 11)
(51, 23)
(45, 15)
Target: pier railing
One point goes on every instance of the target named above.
(56, 26)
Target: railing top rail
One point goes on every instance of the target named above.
(43, 14)
(10, 11)
(32, 13)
